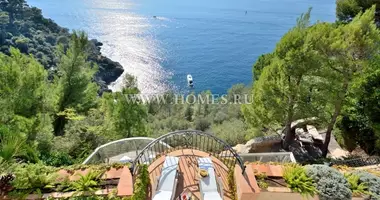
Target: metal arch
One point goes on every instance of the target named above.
(188, 136)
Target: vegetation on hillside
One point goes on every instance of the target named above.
(24, 28)
(63, 120)
(359, 124)
(324, 70)
(316, 71)
(56, 117)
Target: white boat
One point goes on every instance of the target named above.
(190, 80)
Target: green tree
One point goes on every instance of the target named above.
(360, 121)
(23, 82)
(14, 7)
(263, 61)
(24, 99)
(125, 110)
(346, 10)
(74, 85)
(345, 52)
(279, 96)
(4, 18)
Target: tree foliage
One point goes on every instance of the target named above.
(346, 10)
(346, 52)
(280, 95)
(125, 110)
(313, 72)
(74, 86)
(263, 61)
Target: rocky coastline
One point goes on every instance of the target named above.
(24, 27)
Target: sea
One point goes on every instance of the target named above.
(161, 41)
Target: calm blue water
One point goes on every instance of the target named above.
(214, 40)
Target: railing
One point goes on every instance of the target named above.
(109, 152)
(196, 140)
(358, 162)
(282, 157)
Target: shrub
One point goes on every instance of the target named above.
(220, 117)
(141, 184)
(357, 187)
(57, 159)
(31, 178)
(4, 18)
(297, 180)
(87, 183)
(330, 183)
(231, 183)
(232, 131)
(63, 40)
(261, 180)
(21, 43)
(372, 181)
(51, 39)
(202, 124)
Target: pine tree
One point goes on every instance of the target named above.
(74, 85)
(279, 94)
(345, 52)
(125, 111)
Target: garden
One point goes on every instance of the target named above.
(328, 183)
(36, 181)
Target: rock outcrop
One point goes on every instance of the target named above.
(305, 147)
(260, 144)
(109, 71)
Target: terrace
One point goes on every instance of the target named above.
(173, 166)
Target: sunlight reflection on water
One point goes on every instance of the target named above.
(213, 40)
(127, 39)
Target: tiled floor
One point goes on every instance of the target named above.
(188, 179)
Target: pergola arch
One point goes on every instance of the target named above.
(188, 139)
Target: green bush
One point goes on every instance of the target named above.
(232, 131)
(32, 178)
(87, 183)
(63, 40)
(202, 124)
(231, 183)
(297, 180)
(57, 159)
(21, 43)
(220, 117)
(357, 187)
(141, 184)
(329, 182)
(371, 181)
(261, 180)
